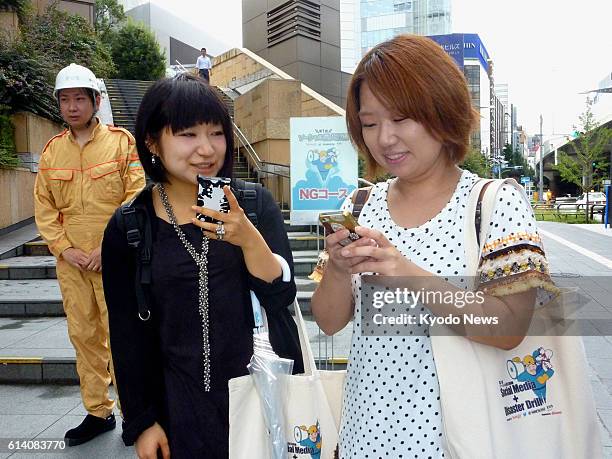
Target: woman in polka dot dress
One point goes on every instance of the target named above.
(409, 113)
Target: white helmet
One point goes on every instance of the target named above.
(75, 76)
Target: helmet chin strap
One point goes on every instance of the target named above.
(95, 110)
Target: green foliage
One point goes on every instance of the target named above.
(108, 16)
(589, 167)
(25, 84)
(8, 155)
(476, 163)
(58, 38)
(508, 153)
(137, 55)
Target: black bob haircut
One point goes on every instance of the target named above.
(179, 103)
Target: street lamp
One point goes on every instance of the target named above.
(541, 186)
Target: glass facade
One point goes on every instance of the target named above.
(472, 75)
(384, 19)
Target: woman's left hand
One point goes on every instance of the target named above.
(382, 258)
(238, 228)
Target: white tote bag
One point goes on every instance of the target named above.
(491, 408)
(313, 409)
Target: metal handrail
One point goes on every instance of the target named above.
(261, 166)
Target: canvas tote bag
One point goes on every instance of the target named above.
(487, 412)
(313, 401)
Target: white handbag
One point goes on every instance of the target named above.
(312, 411)
(488, 410)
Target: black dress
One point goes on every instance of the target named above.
(159, 364)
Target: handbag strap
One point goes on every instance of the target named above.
(481, 204)
(310, 367)
(359, 200)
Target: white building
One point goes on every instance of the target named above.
(602, 99)
(180, 40)
(502, 93)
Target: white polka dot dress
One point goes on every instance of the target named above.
(391, 400)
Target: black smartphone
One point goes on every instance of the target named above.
(211, 196)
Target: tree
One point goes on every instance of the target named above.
(57, 38)
(137, 55)
(589, 165)
(25, 84)
(476, 163)
(108, 16)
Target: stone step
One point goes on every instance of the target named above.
(36, 267)
(302, 266)
(38, 350)
(304, 240)
(36, 249)
(19, 268)
(299, 228)
(30, 298)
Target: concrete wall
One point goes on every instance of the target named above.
(32, 133)
(84, 8)
(231, 66)
(16, 196)
(9, 24)
(17, 185)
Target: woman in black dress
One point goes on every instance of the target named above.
(172, 370)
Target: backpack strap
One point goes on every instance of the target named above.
(135, 223)
(249, 196)
(359, 200)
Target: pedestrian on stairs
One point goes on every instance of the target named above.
(85, 173)
(204, 64)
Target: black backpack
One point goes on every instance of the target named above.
(133, 220)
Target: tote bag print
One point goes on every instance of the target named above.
(524, 391)
(307, 441)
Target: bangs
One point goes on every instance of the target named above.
(190, 102)
(386, 79)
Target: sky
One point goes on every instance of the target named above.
(548, 51)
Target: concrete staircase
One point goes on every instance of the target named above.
(125, 97)
(34, 344)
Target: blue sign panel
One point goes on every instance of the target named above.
(452, 44)
(473, 48)
(462, 46)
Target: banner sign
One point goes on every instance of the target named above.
(323, 167)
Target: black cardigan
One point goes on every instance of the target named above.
(134, 344)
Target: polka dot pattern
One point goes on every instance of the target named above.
(392, 399)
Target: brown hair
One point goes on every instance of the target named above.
(413, 77)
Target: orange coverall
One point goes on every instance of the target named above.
(76, 192)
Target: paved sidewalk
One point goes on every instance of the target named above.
(47, 411)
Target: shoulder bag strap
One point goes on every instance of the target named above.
(359, 200)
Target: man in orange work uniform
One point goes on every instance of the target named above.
(84, 174)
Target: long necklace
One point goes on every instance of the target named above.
(202, 262)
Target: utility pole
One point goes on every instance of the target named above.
(541, 188)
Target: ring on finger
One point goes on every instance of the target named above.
(220, 231)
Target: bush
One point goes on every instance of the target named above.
(25, 84)
(8, 155)
(137, 55)
(477, 164)
(58, 38)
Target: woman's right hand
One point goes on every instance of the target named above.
(338, 261)
(150, 441)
